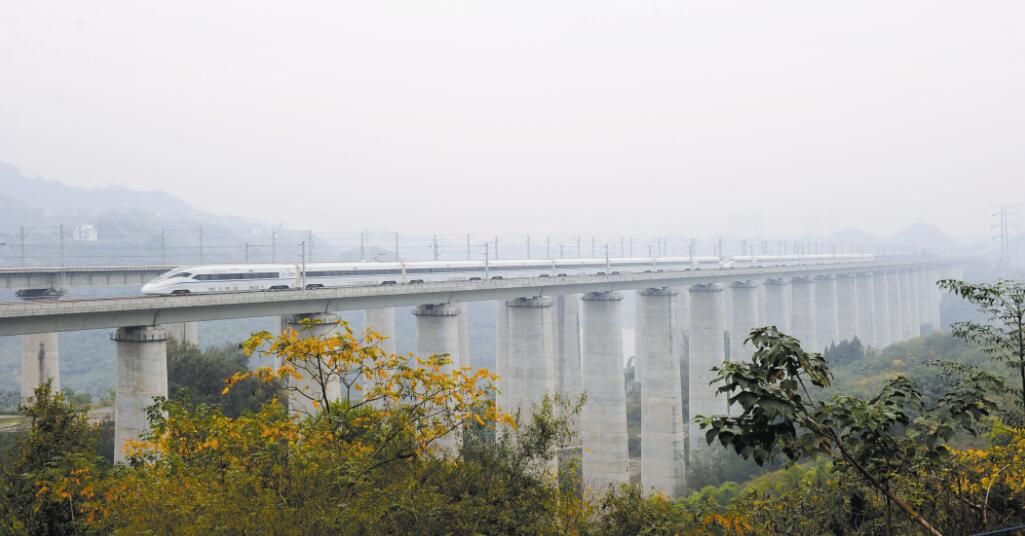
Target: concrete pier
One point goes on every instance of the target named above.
(847, 307)
(777, 303)
(603, 423)
(531, 363)
(502, 355)
(916, 302)
(663, 466)
(865, 289)
(898, 323)
(682, 304)
(882, 325)
(141, 377)
(802, 311)
(40, 361)
(184, 332)
(437, 332)
(933, 275)
(706, 352)
(908, 310)
(382, 320)
(464, 335)
(568, 373)
(925, 300)
(300, 402)
(827, 323)
(743, 318)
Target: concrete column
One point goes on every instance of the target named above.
(916, 306)
(437, 332)
(883, 325)
(301, 402)
(846, 307)
(502, 355)
(681, 304)
(743, 318)
(706, 351)
(464, 335)
(865, 289)
(760, 309)
(898, 324)
(683, 309)
(663, 466)
(924, 301)
(907, 307)
(382, 320)
(639, 374)
(40, 361)
(531, 362)
(827, 323)
(568, 373)
(141, 377)
(184, 332)
(937, 298)
(777, 303)
(803, 313)
(603, 423)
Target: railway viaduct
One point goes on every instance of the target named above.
(553, 334)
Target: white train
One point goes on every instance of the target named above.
(259, 277)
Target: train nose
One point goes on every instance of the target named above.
(150, 288)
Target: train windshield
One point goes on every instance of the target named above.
(173, 274)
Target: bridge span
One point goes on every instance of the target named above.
(79, 276)
(553, 334)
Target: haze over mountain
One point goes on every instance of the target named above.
(802, 116)
(118, 210)
(40, 201)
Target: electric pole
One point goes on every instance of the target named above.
(1003, 237)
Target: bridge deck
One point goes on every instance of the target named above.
(74, 315)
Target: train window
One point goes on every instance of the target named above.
(228, 277)
(180, 274)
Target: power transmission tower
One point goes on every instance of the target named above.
(1003, 215)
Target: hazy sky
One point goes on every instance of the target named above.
(530, 116)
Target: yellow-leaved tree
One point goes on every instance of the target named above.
(350, 463)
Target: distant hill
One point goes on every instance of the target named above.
(130, 224)
(921, 235)
(37, 201)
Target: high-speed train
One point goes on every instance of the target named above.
(258, 277)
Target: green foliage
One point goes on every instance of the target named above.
(199, 376)
(875, 440)
(1002, 335)
(9, 401)
(59, 442)
(627, 512)
(81, 400)
(845, 352)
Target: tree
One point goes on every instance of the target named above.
(360, 464)
(202, 372)
(875, 440)
(42, 478)
(1002, 337)
(845, 351)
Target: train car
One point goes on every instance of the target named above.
(268, 277)
(224, 278)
